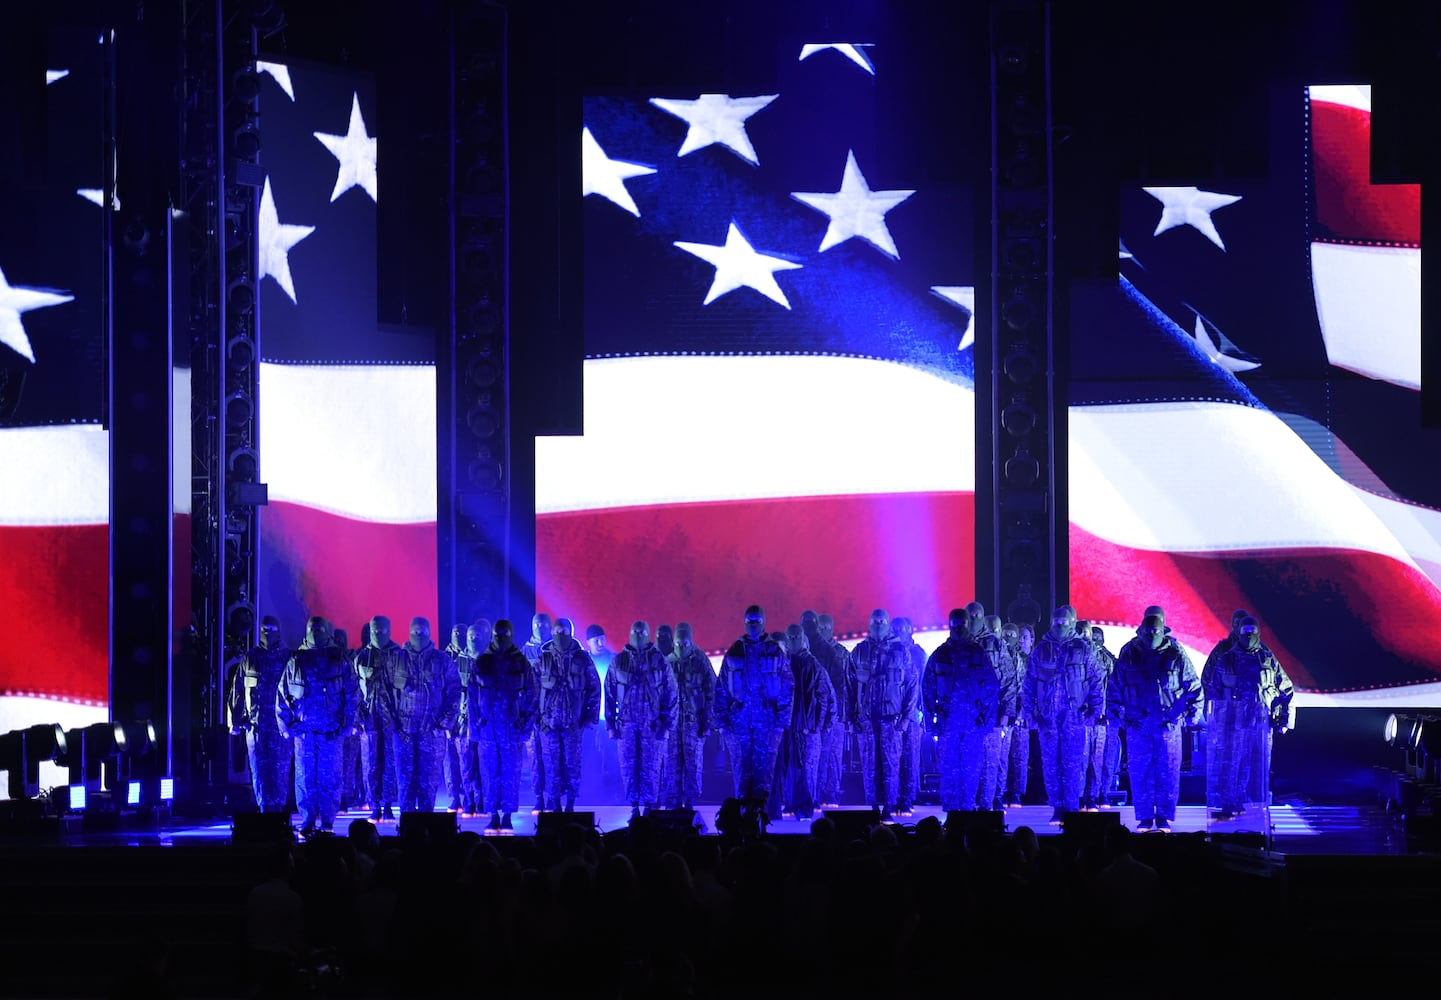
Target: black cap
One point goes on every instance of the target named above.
(591, 631)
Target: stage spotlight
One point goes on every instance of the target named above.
(240, 622)
(245, 140)
(21, 753)
(1019, 313)
(485, 473)
(1022, 470)
(481, 319)
(167, 789)
(1426, 736)
(245, 84)
(243, 464)
(132, 793)
(239, 409)
(482, 421)
(1401, 731)
(483, 372)
(138, 736)
(1021, 255)
(266, 16)
(1020, 365)
(240, 351)
(240, 294)
(1019, 418)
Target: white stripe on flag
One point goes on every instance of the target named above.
(55, 475)
(690, 429)
(1348, 95)
(1417, 529)
(180, 483)
(1211, 477)
(356, 440)
(1368, 300)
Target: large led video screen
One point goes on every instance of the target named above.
(779, 385)
(347, 406)
(54, 445)
(1245, 427)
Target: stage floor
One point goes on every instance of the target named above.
(1283, 828)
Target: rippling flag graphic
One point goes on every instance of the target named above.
(779, 391)
(347, 407)
(1245, 423)
(54, 446)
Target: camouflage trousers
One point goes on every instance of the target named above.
(833, 746)
(959, 753)
(1238, 732)
(803, 772)
(909, 775)
(641, 752)
(466, 754)
(880, 744)
(985, 793)
(1017, 764)
(1063, 763)
(350, 780)
(269, 755)
(682, 769)
(317, 778)
(1093, 752)
(1154, 770)
(376, 769)
(417, 761)
(752, 754)
(499, 747)
(1111, 763)
(561, 756)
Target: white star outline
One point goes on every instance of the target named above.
(1190, 206)
(1214, 350)
(276, 241)
(965, 297)
(738, 265)
(716, 119)
(18, 299)
(851, 50)
(356, 152)
(856, 210)
(599, 174)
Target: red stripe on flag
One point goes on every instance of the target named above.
(704, 563)
(1349, 208)
(1199, 591)
(347, 570)
(54, 588)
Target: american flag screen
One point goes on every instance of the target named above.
(1245, 428)
(779, 391)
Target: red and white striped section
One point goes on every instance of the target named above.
(1167, 507)
(1366, 249)
(705, 484)
(349, 455)
(54, 575)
